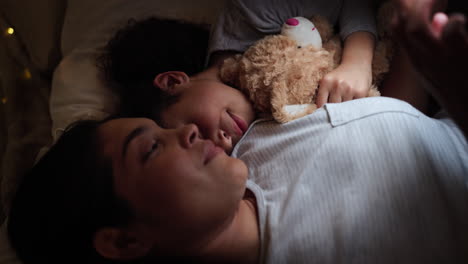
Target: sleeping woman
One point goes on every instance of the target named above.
(322, 189)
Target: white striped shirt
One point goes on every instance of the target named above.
(367, 181)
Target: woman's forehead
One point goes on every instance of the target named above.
(113, 133)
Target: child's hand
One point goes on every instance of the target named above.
(352, 79)
(346, 82)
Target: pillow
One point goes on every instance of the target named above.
(103, 18)
(77, 91)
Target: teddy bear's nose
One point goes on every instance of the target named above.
(292, 22)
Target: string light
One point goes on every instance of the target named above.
(27, 74)
(10, 31)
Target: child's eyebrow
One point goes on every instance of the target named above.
(135, 133)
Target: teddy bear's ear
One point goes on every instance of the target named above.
(230, 69)
(323, 26)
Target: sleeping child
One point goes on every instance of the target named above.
(137, 67)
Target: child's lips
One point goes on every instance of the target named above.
(211, 151)
(240, 126)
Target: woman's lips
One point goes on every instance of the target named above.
(211, 151)
(240, 126)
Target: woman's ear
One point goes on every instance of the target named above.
(120, 244)
(168, 81)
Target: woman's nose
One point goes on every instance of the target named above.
(188, 135)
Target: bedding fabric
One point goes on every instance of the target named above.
(243, 22)
(366, 181)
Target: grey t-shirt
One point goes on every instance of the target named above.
(371, 180)
(242, 22)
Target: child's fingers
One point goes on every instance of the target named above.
(335, 96)
(348, 97)
(322, 96)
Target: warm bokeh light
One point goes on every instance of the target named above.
(27, 74)
(10, 31)
(4, 100)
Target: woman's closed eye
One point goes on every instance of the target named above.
(153, 146)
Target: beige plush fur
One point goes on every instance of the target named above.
(275, 72)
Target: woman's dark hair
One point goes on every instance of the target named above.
(66, 197)
(143, 49)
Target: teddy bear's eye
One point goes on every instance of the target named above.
(299, 47)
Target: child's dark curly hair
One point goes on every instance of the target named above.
(141, 50)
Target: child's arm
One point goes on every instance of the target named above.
(353, 77)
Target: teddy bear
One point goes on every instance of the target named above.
(280, 73)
